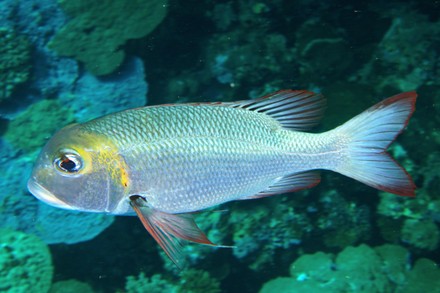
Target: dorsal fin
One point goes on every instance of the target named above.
(296, 110)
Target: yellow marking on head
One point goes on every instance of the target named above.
(102, 152)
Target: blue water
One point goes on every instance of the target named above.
(72, 61)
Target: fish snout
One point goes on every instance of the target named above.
(45, 195)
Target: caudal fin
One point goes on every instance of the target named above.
(368, 136)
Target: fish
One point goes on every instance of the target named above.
(164, 163)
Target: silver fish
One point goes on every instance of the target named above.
(165, 162)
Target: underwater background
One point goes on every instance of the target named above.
(74, 60)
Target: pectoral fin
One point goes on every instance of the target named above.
(169, 229)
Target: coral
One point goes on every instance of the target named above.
(55, 225)
(70, 286)
(289, 285)
(251, 61)
(233, 64)
(194, 281)
(405, 59)
(394, 262)
(358, 266)
(355, 269)
(431, 176)
(15, 65)
(52, 225)
(97, 30)
(95, 97)
(258, 230)
(424, 277)
(25, 263)
(262, 228)
(31, 128)
(412, 221)
(422, 234)
(322, 50)
(52, 75)
(154, 284)
(191, 281)
(342, 222)
(316, 266)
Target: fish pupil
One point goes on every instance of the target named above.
(67, 162)
(68, 165)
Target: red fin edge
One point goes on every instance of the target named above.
(369, 134)
(167, 229)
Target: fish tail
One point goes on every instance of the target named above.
(367, 137)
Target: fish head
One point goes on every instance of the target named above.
(79, 170)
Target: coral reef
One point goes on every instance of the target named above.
(51, 75)
(96, 31)
(94, 97)
(31, 128)
(260, 230)
(50, 224)
(154, 284)
(422, 234)
(357, 269)
(323, 51)
(341, 222)
(412, 221)
(75, 226)
(15, 63)
(25, 263)
(190, 281)
(70, 286)
(231, 64)
(404, 59)
(424, 277)
(193, 281)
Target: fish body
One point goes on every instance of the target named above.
(185, 158)
(164, 162)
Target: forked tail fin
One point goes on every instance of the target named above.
(368, 136)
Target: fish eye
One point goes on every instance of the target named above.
(69, 162)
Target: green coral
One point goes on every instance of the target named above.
(394, 265)
(410, 220)
(405, 59)
(322, 50)
(191, 281)
(358, 269)
(25, 263)
(342, 222)
(98, 30)
(317, 266)
(422, 234)
(71, 286)
(424, 277)
(154, 284)
(358, 266)
(290, 285)
(194, 281)
(15, 64)
(270, 226)
(31, 128)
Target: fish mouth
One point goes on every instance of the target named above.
(46, 196)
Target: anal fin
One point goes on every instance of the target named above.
(168, 229)
(289, 183)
